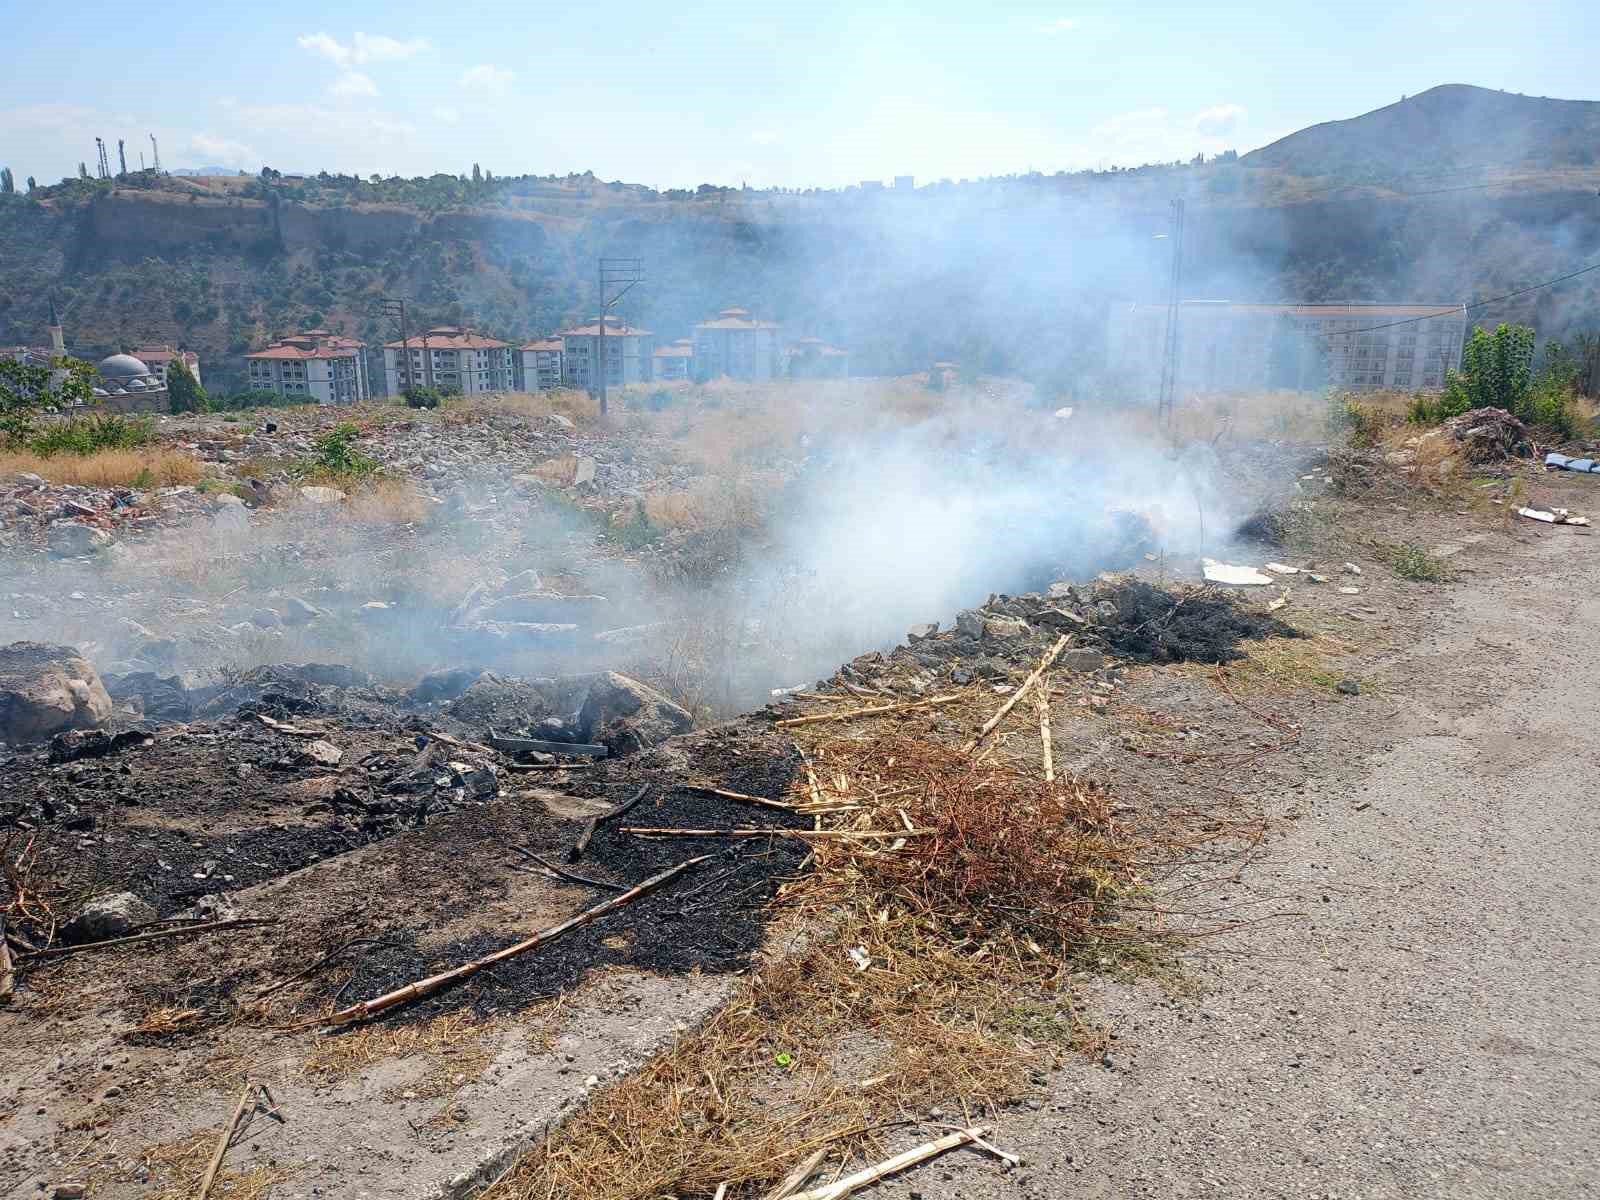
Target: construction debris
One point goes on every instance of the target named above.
(1489, 435)
(584, 838)
(1552, 516)
(1563, 463)
(1233, 576)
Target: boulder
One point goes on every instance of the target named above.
(321, 495)
(1083, 659)
(70, 539)
(625, 715)
(108, 917)
(436, 687)
(1005, 629)
(158, 698)
(969, 623)
(46, 689)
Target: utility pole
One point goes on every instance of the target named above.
(1169, 359)
(396, 312)
(619, 274)
(122, 160)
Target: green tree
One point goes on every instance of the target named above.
(1587, 346)
(26, 390)
(1496, 371)
(184, 393)
(83, 170)
(32, 186)
(477, 174)
(8, 182)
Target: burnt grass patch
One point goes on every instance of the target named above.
(1152, 625)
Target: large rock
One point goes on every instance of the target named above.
(625, 715)
(45, 689)
(69, 539)
(543, 607)
(108, 917)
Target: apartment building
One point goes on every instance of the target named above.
(159, 360)
(813, 358)
(735, 344)
(451, 359)
(674, 361)
(318, 366)
(1241, 347)
(627, 353)
(540, 365)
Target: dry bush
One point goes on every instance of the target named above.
(387, 501)
(108, 468)
(740, 502)
(969, 932)
(341, 1055)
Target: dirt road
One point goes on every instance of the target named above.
(1431, 1026)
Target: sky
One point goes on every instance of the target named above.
(819, 94)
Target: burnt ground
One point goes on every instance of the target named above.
(390, 880)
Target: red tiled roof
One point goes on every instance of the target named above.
(448, 337)
(612, 330)
(549, 343)
(286, 350)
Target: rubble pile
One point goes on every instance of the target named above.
(1489, 435)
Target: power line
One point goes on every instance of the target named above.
(1466, 308)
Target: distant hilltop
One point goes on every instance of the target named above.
(1455, 127)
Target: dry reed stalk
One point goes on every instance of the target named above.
(181, 931)
(223, 1142)
(893, 1166)
(817, 834)
(1044, 665)
(1041, 701)
(853, 713)
(707, 790)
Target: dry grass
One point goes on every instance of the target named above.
(387, 501)
(970, 934)
(459, 1034)
(557, 472)
(738, 502)
(176, 1169)
(107, 468)
(1283, 666)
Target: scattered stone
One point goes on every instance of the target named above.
(1351, 569)
(1348, 687)
(70, 1191)
(265, 618)
(1082, 659)
(919, 633)
(969, 623)
(92, 743)
(1005, 629)
(321, 495)
(69, 539)
(108, 917)
(321, 754)
(45, 689)
(583, 472)
(625, 715)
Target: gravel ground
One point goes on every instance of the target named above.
(1431, 1025)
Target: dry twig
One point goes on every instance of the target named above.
(183, 931)
(594, 823)
(853, 713)
(822, 834)
(891, 1166)
(223, 1142)
(988, 726)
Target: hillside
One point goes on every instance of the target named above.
(1011, 275)
(1454, 127)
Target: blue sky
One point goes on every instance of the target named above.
(819, 94)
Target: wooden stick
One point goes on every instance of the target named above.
(1041, 701)
(594, 823)
(722, 1192)
(368, 1009)
(988, 726)
(796, 1179)
(890, 1166)
(568, 766)
(8, 974)
(853, 713)
(210, 927)
(727, 795)
(221, 1150)
(569, 876)
(825, 834)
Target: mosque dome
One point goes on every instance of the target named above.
(122, 366)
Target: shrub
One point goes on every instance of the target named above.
(423, 397)
(1365, 424)
(334, 453)
(184, 393)
(89, 435)
(1411, 561)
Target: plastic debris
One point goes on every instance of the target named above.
(1552, 516)
(1562, 462)
(1282, 569)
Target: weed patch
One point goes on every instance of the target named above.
(1411, 561)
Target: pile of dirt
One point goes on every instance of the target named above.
(1489, 435)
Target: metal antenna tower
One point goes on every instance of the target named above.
(156, 151)
(122, 159)
(619, 275)
(1169, 358)
(105, 167)
(395, 310)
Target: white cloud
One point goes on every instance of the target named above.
(487, 78)
(764, 137)
(443, 112)
(363, 48)
(223, 151)
(354, 83)
(1059, 25)
(336, 125)
(1219, 120)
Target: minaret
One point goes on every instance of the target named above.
(58, 347)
